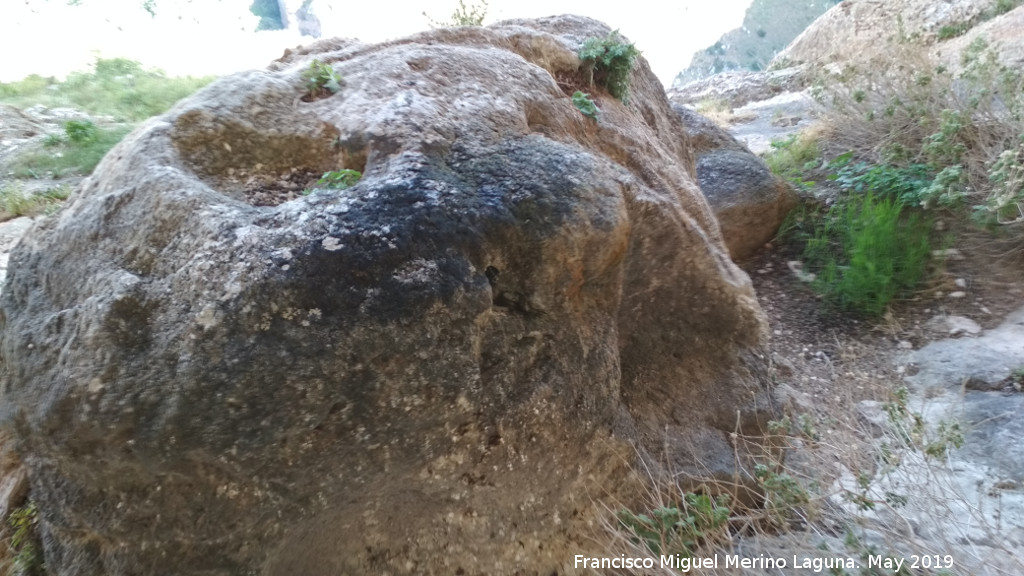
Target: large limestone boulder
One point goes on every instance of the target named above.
(435, 371)
(749, 201)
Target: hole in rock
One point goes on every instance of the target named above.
(572, 80)
(274, 189)
(492, 274)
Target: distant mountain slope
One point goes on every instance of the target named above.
(768, 27)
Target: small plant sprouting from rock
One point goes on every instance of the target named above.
(608, 62)
(321, 80)
(337, 180)
(585, 105)
(25, 545)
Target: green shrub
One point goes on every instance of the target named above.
(15, 201)
(1003, 6)
(81, 131)
(608, 62)
(321, 80)
(912, 184)
(585, 105)
(681, 528)
(905, 114)
(866, 253)
(1006, 176)
(783, 494)
(947, 32)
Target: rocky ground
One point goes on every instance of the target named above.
(955, 348)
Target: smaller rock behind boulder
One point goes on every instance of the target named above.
(749, 201)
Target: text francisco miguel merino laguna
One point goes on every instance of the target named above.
(684, 563)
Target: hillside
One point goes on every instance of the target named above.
(768, 27)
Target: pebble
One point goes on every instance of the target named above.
(960, 283)
(957, 294)
(905, 345)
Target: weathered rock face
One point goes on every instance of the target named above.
(739, 87)
(435, 371)
(1005, 35)
(749, 201)
(856, 32)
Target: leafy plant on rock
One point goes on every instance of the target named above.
(608, 62)
(321, 80)
(339, 179)
(585, 105)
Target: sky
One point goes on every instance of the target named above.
(199, 37)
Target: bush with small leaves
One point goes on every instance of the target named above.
(81, 131)
(679, 529)
(608, 62)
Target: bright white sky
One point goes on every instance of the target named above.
(199, 37)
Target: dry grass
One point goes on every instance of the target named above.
(15, 201)
(722, 113)
(906, 110)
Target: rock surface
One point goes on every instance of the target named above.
(749, 201)
(971, 500)
(1004, 34)
(855, 32)
(435, 371)
(984, 362)
(738, 87)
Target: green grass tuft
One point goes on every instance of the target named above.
(867, 252)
